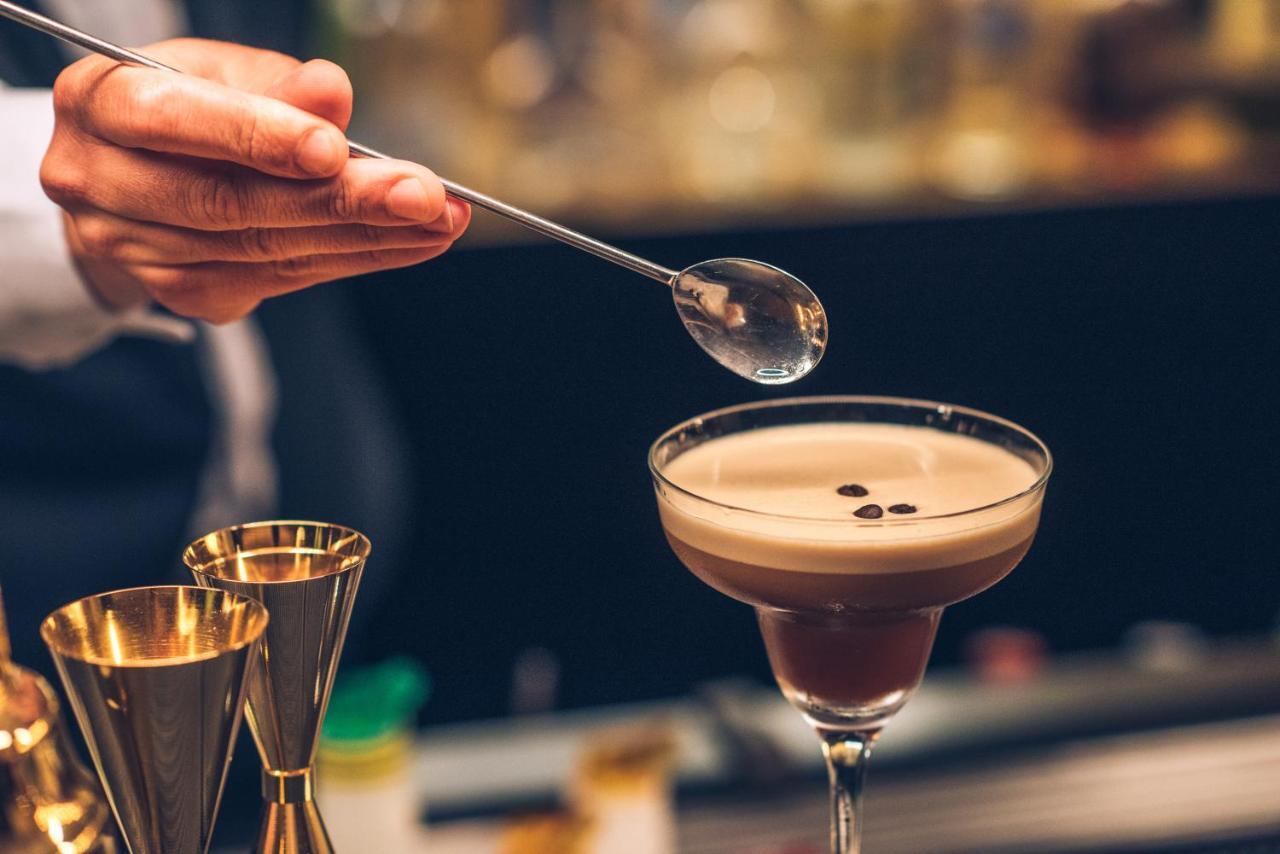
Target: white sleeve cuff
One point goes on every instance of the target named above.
(48, 317)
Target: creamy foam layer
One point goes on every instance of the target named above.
(795, 470)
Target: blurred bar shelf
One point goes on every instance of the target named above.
(1098, 753)
(1209, 788)
(638, 117)
(1206, 784)
(475, 768)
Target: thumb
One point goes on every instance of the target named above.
(319, 87)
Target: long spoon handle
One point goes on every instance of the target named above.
(529, 220)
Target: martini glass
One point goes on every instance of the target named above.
(849, 523)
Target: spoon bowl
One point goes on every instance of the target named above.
(758, 321)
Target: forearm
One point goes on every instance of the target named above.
(48, 317)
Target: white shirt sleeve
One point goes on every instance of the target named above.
(48, 317)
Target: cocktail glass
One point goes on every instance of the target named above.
(848, 605)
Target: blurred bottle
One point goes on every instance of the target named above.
(535, 682)
(1004, 655)
(365, 778)
(623, 789)
(618, 802)
(984, 145)
(608, 137)
(741, 115)
(1242, 41)
(878, 65)
(441, 81)
(1245, 34)
(1164, 646)
(552, 832)
(1150, 86)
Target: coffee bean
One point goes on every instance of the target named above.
(853, 490)
(902, 508)
(869, 511)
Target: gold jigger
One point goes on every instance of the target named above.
(306, 573)
(49, 803)
(157, 679)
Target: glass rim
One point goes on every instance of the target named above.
(816, 400)
(201, 567)
(57, 648)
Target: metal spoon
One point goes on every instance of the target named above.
(758, 321)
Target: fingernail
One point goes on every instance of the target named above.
(320, 152)
(408, 198)
(457, 212)
(454, 210)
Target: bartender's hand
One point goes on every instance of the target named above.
(210, 192)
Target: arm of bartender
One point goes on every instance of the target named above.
(203, 194)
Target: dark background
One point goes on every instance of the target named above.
(1137, 341)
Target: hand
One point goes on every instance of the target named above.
(211, 191)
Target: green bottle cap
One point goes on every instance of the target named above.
(370, 703)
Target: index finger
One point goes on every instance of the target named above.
(183, 114)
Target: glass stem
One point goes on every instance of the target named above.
(846, 754)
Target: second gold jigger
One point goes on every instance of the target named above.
(157, 678)
(306, 573)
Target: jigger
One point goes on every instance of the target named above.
(157, 679)
(306, 574)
